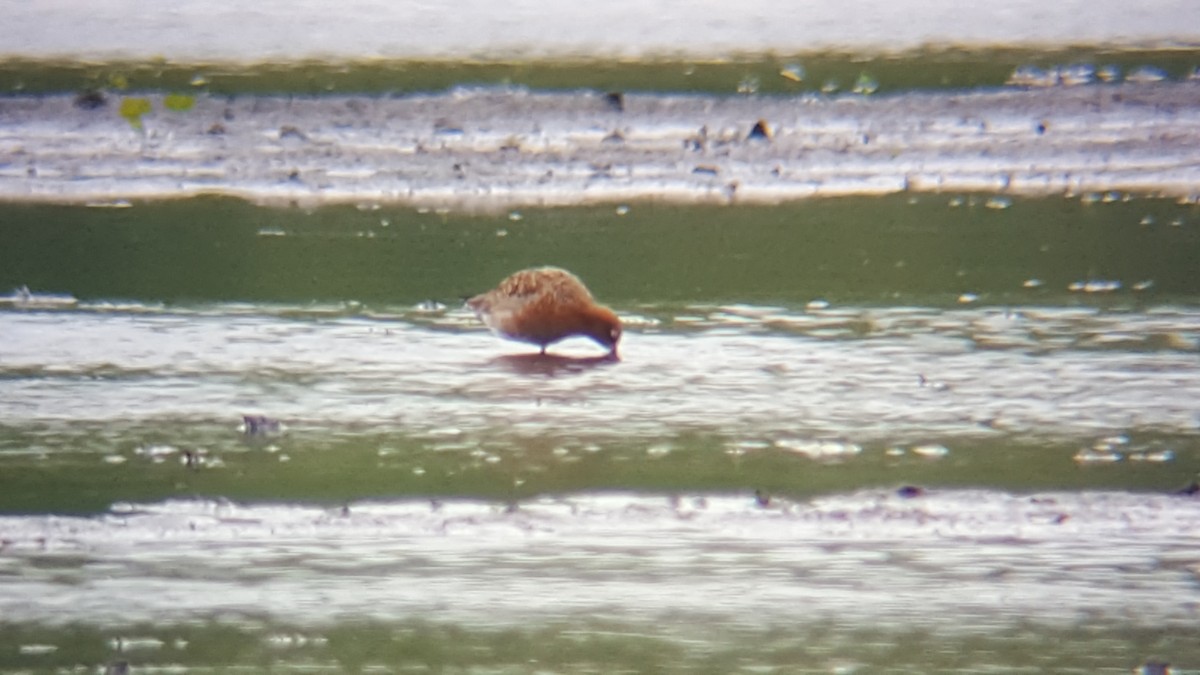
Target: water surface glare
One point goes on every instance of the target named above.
(952, 562)
(863, 374)
(906, 434)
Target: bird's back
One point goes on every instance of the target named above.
(540, 305)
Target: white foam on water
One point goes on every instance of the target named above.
(952, 560)
(919, 374)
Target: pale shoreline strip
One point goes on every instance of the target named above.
(287, 30)
(492, 149)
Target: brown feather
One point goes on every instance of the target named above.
(544, 305)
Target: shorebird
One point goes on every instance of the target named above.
(544, 305)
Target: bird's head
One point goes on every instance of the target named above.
(604, 327)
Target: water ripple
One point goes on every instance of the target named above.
(859, 557)
(858, 373)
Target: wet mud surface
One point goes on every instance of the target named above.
(491, 149)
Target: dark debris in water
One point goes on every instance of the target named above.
(91, 99)
(260, 425)
(1191, 489)
(761, 131)
(534, 147)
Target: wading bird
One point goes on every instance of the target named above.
(544, 305)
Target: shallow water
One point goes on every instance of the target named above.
(1062, 337)
(985, 575)
(965, 458)
(928, 378)
(947, 429)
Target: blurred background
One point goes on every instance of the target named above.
(908, 382)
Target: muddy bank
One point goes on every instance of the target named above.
(497, 149)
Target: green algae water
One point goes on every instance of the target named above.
(780, 74)
(939, 251)
(824, 411)
(908, 381)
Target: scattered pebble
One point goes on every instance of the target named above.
(659, 449)
(865, 85)
(91, 100)
(742, 447)
(290, 131)
(818, 449)
(37, 649)
(1146, 75)
(156, 450)
(1154, 668)
(761, 130)
(931, 451)
(429, 306)
(26, 299)
(793, 72)
(1190, 490)
(615, 101)
(1155, 457)
(1067, 76)
(1092, 456)
(129, 644)
(1095, 286)
(288, 640)
(1031, 76)
(256, 425)
(1077, 74)
(931, 384)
